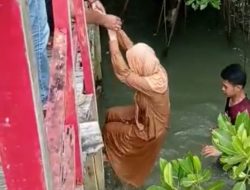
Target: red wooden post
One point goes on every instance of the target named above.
(22, 137)
(55, 116)
(22, 147)
(62, 21)
(83, 40)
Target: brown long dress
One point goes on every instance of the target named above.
(133, 135)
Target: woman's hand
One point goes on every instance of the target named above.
(111, 22)
(107, 20)
(124, 40)
(112, 35)
(209, 150)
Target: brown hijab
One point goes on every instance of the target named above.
(143, 61)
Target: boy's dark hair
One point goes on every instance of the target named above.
(234, 74)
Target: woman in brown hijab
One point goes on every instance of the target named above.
(133, 135)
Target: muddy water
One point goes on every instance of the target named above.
(198, 52)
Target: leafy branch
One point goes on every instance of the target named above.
(186, 174)
(233, 141)
(202, 4)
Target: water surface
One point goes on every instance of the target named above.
(199, 51)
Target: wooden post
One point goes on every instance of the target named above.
(62, 20)
(22, 145)
(23, 138)
(91, 139)
(92, 145)
(61, 160)
(95, 50)
(82, 35)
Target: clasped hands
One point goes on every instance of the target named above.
(111, 22)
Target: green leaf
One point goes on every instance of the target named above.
(241, 168)
(240, 128)
(187, 182)
(167, 174)
(194, 6)
(242, 175)
(201, 2)
(227, 167)
(223, 149)
(155, 187)
(165, 185)
(192, 177)
(242, 132)
(232, 130)
(244, 135)
(189, 2)
(216, 5)
(239, 186)
(223, 136)
(231, 173)
(238, 146)
(232, 160)
(163, 163)
(242, 118)
(203, 6)
(217, 186)
(178, 172)
(206, 175)
(197, 164)
(246, 143)
(187, 165)
(223, 122)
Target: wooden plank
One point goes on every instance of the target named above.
(92, 145)
(99, 168)
(86, 108)
(62, 19)
(22, 134)
(68, 161)
(95, 50)
(55, 114)
(94, 175)
(91, 137)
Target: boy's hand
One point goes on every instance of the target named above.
(209, 151)
(111, 22)
(97, 5)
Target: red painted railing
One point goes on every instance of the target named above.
(35, 150)
(21, 130)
